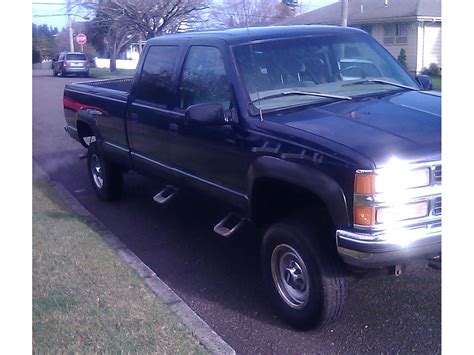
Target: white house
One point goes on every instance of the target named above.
(133, 51)
(414, 25)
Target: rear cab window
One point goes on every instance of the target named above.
(155, 84)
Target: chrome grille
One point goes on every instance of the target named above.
(437, 206)
(437, 174)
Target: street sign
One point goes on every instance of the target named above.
(81, 38)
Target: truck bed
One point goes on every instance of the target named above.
(108, 101)
(117, 89)
(122, 84)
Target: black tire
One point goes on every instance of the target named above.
(316, 299)
(106, 177)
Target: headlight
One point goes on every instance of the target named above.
(402, 212)
(371, 215)
(381, 196)
(389, 180)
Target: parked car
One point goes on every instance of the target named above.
(335, 175)
(71, 63)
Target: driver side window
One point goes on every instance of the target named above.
(203, 78)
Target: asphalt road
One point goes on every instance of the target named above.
(220, 279)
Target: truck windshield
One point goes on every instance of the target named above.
(325, 64)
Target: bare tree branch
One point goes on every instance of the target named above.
(149, 17)
(242, 13)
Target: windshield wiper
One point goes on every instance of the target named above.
(380, 81)
(307, 93)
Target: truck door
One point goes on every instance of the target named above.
(207, 155)
(149, 112)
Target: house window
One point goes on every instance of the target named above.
(395, 33)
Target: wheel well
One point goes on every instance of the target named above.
(83, 131)
(273, 200)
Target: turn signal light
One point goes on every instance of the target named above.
(364, 184)
(364, 215)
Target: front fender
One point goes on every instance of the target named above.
(311, 179)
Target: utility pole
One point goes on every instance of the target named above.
(69, 25)
(344, 12)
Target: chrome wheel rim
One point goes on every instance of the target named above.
(290, 276)
(96, 170)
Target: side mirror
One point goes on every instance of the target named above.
(425, 82)
(206, 114)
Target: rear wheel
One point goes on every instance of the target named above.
(106, 178)
(304, 277)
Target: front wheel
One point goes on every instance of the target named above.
(304, 277)
(106, 178)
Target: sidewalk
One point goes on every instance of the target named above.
(86, 299)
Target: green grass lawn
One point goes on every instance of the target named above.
(86, 299)
(101, 73)
(436, 80)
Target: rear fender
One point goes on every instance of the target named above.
(85, 117)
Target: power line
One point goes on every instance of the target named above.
(49, 15)
(49, 3)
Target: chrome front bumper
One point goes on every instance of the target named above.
(390, 247)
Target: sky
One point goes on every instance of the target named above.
(53, 12)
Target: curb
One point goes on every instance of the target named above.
(198, 327)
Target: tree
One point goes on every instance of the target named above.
(44, 46)
(150, 18)
(402, 58)
(36, 56)
(243, 13)
(116, 36)
(109, 31)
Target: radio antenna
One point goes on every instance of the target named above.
(247, 15)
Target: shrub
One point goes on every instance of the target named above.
(402, 58)
(36, 56)
(432, 70)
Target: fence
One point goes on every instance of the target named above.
(121, 63)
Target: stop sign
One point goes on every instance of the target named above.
(81, 38)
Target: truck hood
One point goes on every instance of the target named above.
(404, 125)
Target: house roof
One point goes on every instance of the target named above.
(367, 11)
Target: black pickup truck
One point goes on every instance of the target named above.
(314, 136)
